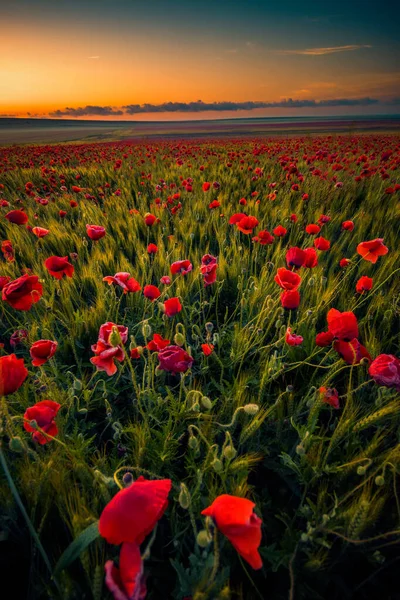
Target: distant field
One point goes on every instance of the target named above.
(23, 131)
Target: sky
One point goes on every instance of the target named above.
(183, 60)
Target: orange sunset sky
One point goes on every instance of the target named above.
(104, 60)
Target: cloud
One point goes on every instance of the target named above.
(199, 106)
(322, 51)
(87, 111)
(93, 57)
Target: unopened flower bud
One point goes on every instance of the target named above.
(251, 409)
(184, 496)
(203, 538)
(179, 339)
(217, 465)
(230, 452)
(127, 479)
(115, 338)
(209, 327)
(146, 330)
(379, 480)
(300, 450)
(193, 443)
(16, 444)
(206, 403)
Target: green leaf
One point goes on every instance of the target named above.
(76, 547)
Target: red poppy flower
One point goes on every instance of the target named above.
(290, 299)
(235, 518)
(174, 359)
(157, 343)
(279, 231)
(41, 351)
(165, 279)
(208, 269)
(385, 370)
(40, 232)
(330, 396)
(351, 352)
(287, 280)
(292, 339)
(206, 186)
(95, 232)
(342, 325)
(43, 413)
(151, 292)
(348, 225)
(23, 292)
(214, 204)
(7, 250)
(58, 266)
(152, 248)
(150, 219)
(242, 201)
(76, 189)
(134, 511)
(172, 306)
(124, 281)
(324, 339)
(106, 330)
(372, 250)
(322, 244)
(105, 356)
(344, 262)
(12, 374)
(294, 218)
(313, 229)
(18, 217)
(364, 284)
(295, 257)
(311, 258)
(126, 582)
(62, 213)
(236, 218)
(207, 349)
(247, 224)
(135, 353)
(264, 238)
(181, 267)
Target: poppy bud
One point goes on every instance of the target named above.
(206, 403)
(203, 538)
(179, 339)
(193, 443)
(115, 338)
(184, 496)
(361, 471)
(217, 465)
(209, 327)
(77, 385)
(278, 323)
(251, 409)
(230, 452)
(16, 444)
(127, 479)
(300, 450)
(146, 330)
(380, 480)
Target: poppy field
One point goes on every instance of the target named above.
(200, 368)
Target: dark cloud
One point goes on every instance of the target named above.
(87, 111)
(199, 106)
